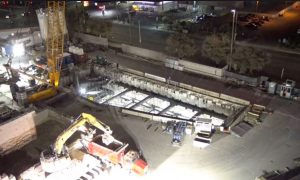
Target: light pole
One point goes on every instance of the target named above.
(140, 36)
(232, 37)
(235, 26)
(129, 18)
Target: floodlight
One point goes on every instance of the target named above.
(82, 90)
(18, 50)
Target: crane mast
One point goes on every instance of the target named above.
(54, 49)
(55, 39)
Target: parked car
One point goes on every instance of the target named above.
(243, 19)
(251, 26)
(10, 16)
(265, 18)
(26, 13)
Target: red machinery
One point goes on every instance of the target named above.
(114, 154)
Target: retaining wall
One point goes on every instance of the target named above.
(92, 39)
(146, 53)
(202, 69)
(243, 79)
(19, 131)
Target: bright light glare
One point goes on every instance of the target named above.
(82, 90)
(18, 50)
(86, 3)
(233, 10)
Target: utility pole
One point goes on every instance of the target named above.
(140, 36)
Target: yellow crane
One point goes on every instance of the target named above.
(54, 49)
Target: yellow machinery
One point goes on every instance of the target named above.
(79, 122)
(59, 159)
(55, 48)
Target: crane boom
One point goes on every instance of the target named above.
(79, 122)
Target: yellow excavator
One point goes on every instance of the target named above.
(59, 157)
(100, 149)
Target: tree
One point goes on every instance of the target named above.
(216, 47)
(244, 59)
(180, 45)
(99, 27)
(248, 59)
(76, 17)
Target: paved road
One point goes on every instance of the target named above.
(156, 40)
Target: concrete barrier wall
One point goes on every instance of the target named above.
(244, 79)
(92, 39)
(19, 131)
(234, 99)
(139, 73)
(183, 64)
(202, 69)
(146, 53)
(115, 45)
(203, 91)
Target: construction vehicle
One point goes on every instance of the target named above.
(92, 152)
(54, 52)
(177, 129)
(178, 133)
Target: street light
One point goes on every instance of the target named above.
(140, 36)
(232, 36)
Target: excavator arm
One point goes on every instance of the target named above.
(77, 124)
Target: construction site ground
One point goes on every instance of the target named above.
(272, 145)
(22, 159)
